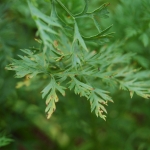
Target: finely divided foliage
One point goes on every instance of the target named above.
(71, 61)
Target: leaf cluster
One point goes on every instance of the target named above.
(69, 60)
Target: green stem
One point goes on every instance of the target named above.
(62, 5)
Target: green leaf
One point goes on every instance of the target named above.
(52, 98)
(5, 141)
(145, 39)
(37, 14)
(77, 36)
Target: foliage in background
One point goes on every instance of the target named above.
(134, 30)
(72, 126)
(4, 140)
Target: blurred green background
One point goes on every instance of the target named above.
(72, 126)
